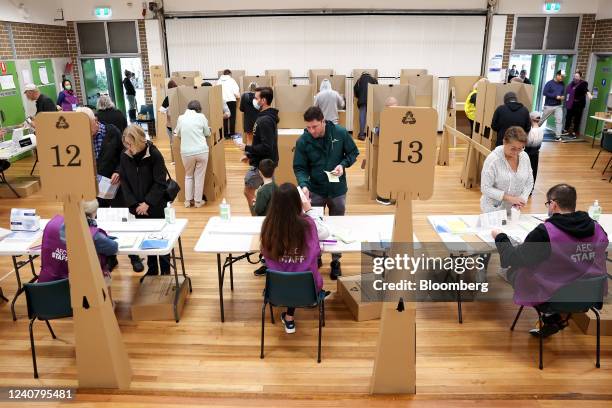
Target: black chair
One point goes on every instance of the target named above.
(578, 297)
(292, 289)
(606, 144)
(47, 301)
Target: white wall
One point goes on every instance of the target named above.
(36, 11)
(209, 5)
(496, 47)
(153, 42)
(445, 45)
(535, 6)
(605, 9)
(79, 10)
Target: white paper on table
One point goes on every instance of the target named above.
(27, 76)
(332, 177)
(493, 219)
(116, 214)
(7, 82)
(106, 189)
(42, 73)
(318, 211)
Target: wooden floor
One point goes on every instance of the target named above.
(202, 361)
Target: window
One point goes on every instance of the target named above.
(529, 33)
(122, 37)
(561, 33)
(92, 38)
(109, 38)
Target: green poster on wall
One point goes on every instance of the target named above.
(44, 77)
(11, 104)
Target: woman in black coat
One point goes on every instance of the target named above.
(109, 115)
(143, 182)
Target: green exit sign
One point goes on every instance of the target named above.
(552, 7)
(103, 12)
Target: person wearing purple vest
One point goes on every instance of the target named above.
(568, 246)
(66, 99)
(289, 241)
(54, 256)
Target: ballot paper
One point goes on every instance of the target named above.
(128, 241)
(493, 219)
(106, 189)
(116, 214)
(343, 235)
(332, 177)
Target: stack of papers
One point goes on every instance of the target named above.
(127, 241)
(106, 190)
(154, 244)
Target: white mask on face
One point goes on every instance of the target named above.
(255, 104)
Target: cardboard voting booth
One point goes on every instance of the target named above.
(67, 171)
(286, 148)
(291, 102)
(412, 72)
(187, 78)
(279, 76)
(158, 83)
(211, 100)
(313, 73)
(407, 148)
(426, 88)
(338, 83)
(237, 74)
(260, 80)
(459, 88)
(377, 95)
(356, 74)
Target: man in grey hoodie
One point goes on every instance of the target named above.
(329, 101)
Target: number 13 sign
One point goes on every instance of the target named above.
(65, 152)
(407, 151)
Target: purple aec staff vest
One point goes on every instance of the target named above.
(54, 256)
(69, 102)
(571, 259)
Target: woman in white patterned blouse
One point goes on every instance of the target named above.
(507, 178)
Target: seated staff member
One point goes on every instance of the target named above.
(192, 129)
(143, 182)
(507, 180)
(323, 147)
(289, 241)
(265, 141)
(547, 260)
(54, 256)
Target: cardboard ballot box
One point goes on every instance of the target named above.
(155, 298)
(350, 290)
(286, 147)
(588, 322)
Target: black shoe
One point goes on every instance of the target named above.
(289, 326)
(547, 330)
(361, 137)
(319, 262)
(335, 270)
(111, 263)
(137, 265)
(261, 271)
(383, 201)
(166, 272)
(152, 273)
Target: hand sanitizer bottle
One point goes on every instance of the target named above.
(595, 211)
(169, 214)
(224, 210)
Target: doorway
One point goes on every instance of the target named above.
(600, 89)
(541, 68)
(104, 76)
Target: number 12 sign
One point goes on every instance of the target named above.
(65, 153)
(407, 151)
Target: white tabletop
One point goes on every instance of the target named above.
(241, 234)
(171, 232)
(290, 132)
(465, 230)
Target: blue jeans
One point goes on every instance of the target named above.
(362, 119)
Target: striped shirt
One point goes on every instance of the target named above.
(498, 178)
(98, 139)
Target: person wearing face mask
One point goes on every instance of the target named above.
(322, 154)
(265, 141)
(507, 178)
(329, 101)
(577, 93)
(567, 246)
(66, 99)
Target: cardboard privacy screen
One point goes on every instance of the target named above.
(338, 83)
(407, 151)
(412, 72)
(279, 76)
(291, 102)
(312, 74)
(426, 88)
(260, 80)
(66, 154)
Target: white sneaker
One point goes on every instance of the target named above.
(199, 204)
(187, 204)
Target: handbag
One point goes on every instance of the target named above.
(172, 188)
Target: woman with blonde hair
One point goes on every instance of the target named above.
(143, 182)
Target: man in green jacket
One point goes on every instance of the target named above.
(322, 154)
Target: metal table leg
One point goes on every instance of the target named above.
(182, 259)
(4, 298)
(177, 290)
(17, 265)
(35, 162)
(220, 277)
